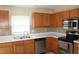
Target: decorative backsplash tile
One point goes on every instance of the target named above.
(4, 32)
(39, 30)
(50, 29)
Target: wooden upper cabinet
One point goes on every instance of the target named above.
(4, 19)
(75, 51)
(71, 13)
(37, 20)
(66, 14)
(74, 13)
(48, 44)
(40, 20)
(56, 20)
(46, 20)
(52, 45)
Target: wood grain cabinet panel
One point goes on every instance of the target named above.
(66, 14)
(48, 44)
(18, 47)
(4, 19)
(56, 20)
(54, 45)
(46, 20)
(37, 20)
(6, 48)
(29, 47)
(75, 48)
(40, 20)
(74, 13)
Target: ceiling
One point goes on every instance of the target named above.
(51, 7)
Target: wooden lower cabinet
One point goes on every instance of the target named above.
(24, 47)
(18, 47)
(48, 44)
(6, 48)
(29, 47)
(52, 45)
(76, 48)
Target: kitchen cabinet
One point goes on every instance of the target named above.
(66, 14)
(76, 48)
(29, 47)
(56, 20)
(48, 44)
(40, 20)
(74, 13)
(37, 20)
(18, 47)
(46, 20)
(4, 19)
(6, 48)
(54, 45)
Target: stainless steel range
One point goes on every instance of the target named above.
(66, 43)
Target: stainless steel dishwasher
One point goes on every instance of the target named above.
(40, 45)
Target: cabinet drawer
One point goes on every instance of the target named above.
(27, 42)
(18, 43)
(5, 44)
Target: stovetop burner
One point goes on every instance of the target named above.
(65, 39)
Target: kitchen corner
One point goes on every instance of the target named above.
(39, 30)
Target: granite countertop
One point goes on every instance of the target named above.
(11, 38)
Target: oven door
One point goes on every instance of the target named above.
(65, 47)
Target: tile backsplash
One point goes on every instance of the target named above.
(4, 32)
(49, 29)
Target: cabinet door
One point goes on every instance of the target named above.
(18, 47)
(66, 14)
(54, 45)
(46, 20)
(6, 48)
(37, 20)
(29, 46)
(75, 48)
(4, 19)
(57, 20)
(48, 44)
(74, 13)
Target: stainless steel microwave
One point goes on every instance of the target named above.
(71, 23)
(67, 24)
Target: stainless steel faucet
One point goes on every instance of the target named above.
(26, 34)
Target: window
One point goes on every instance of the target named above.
(20, 24)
